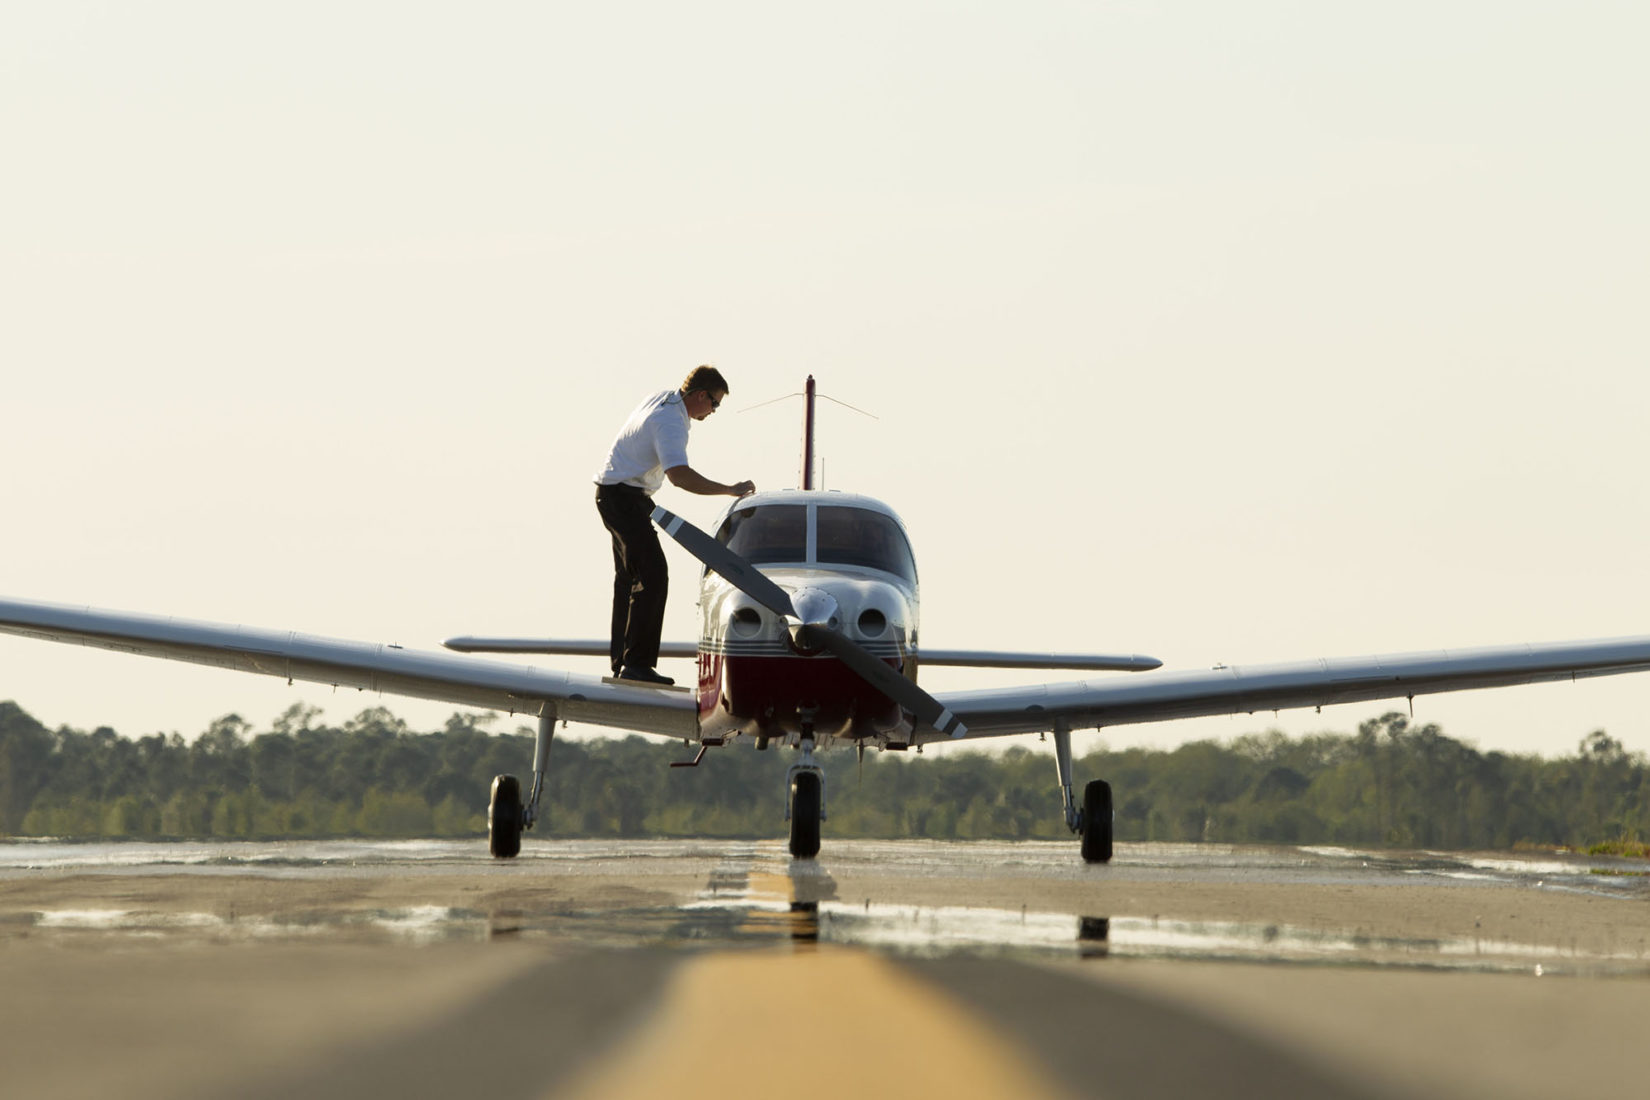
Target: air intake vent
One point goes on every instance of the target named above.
(746, 622)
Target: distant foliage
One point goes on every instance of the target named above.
(1393, 783)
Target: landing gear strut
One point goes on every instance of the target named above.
(507, 815)
(805, 807)
(1093, 821)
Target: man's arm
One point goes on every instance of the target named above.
(691, 480)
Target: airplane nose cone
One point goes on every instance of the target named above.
(814, 608)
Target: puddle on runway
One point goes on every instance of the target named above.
(419, 924)
(915, 930)
(758, 892)
(19, 856)
(754, 893)
(939, 930)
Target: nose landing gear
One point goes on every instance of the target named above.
(805, 803)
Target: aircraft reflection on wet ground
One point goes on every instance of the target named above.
(903, 897)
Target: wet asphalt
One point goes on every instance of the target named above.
(609, 933)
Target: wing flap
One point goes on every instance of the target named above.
(1324, 682)
(367, 666)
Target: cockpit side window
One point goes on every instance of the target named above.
(767, 533)
(860, 536)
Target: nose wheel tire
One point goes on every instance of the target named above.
(1097, 822)
(504, 817)
(805, 808)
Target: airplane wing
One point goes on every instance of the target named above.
(1159, 697)
(370, 666)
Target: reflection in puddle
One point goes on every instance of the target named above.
(939, 930)
(1093, 937)
(754, 893)
(418, 924)
(757, 912)
(798, 923)
(763, 894)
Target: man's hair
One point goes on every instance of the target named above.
(706, 378)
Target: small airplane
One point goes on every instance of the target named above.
(809, 638)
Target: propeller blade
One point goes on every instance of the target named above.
(870, 668)
(737, 571)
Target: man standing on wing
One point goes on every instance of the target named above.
(650, 447)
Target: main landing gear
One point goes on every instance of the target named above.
(504, 817)
(507, 814)
(1097, 822)
(805, 805)
(1093, 821)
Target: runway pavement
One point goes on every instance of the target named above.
(606, 969)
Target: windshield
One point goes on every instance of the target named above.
(769, 533)
(778, 533)
(859, 536)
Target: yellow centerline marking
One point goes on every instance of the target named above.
(835, 1022)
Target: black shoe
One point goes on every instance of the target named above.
(645, 676)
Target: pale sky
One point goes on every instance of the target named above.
(1226, 333)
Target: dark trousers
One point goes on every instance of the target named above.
(640, 576)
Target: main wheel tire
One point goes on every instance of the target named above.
(805, 806)
(504, 817)
(1097, 822)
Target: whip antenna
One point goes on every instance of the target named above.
(806, 481)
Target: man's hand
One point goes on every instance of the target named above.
(686, 477)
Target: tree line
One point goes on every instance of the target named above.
(1393, 783)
